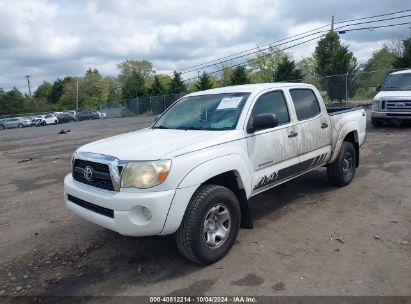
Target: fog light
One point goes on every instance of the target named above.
(147, 213)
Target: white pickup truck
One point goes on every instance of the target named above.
(193, 171)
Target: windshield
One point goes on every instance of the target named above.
(397, 82)
(204, 112)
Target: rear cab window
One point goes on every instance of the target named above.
(305, 103)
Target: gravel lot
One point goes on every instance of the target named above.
(293, 249)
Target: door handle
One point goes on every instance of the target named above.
(324, 125)
(292, 134)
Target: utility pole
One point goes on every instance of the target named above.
(28, 83)
(332, 23)
(77, 95)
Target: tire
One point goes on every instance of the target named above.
(342, 170)
(2, 127)
(43, 123)
(214, 209)
(376, 122)
(20, 126)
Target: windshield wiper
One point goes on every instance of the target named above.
(190, 128)
(160, 127)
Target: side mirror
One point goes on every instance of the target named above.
(378, 88)
(261, 122)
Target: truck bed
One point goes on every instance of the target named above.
(340, 110)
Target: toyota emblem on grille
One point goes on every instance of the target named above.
(88, 173)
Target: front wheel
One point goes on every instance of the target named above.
(210, 225)
(20, 126)
(342, 170)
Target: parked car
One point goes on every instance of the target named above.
(35, 119)
(393, 101)
(15, 122)
(48, 119)
(64, 118)
(88, 114)
(193, 171)
(72, 114)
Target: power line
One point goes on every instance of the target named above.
(259, 50)
(300, 43)
(218, 60)
(373, 27)
(276, 51)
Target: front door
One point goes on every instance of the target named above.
(273, 149)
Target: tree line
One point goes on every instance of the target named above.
(137, 78)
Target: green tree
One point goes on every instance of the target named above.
(224, 77)
(239, 75)
(404, 60)
(334, 58)
(93, 91)
(58, 88)
(263, 67)
(177, 84)
(374, 72)
(12, 102)
(287, 71)
(43, 92)
(204, 82)
(157, 87)
(134, 77)
(114, 88)
(142, 67)
(134, 86)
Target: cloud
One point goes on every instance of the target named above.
(49, 39)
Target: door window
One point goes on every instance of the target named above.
(272, 103)
(305, 103)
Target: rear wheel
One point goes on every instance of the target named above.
(210, 225)
(20, 125)
(342, 170)
(1, 127)
(377, 122)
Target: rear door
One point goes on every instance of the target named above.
(314, 127)
(274, 149)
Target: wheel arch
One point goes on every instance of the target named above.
(230, 171)
(348, 134)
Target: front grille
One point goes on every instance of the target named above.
(398, 105)
(89, 206)
(102, 177)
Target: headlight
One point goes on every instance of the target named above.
(72, 160)
(145, 174)
(375, 105)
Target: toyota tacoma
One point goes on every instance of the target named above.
(194, 170)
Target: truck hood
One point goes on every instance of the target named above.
(393, 95)
(152, 144)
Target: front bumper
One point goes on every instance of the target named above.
(391, 115)
(128, 215)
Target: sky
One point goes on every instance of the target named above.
(49, 39)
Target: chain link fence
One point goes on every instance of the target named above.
(153, 105)
(358, 88)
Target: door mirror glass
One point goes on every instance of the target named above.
(262, 122)
(378, 88)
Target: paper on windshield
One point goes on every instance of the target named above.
(229, 103)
